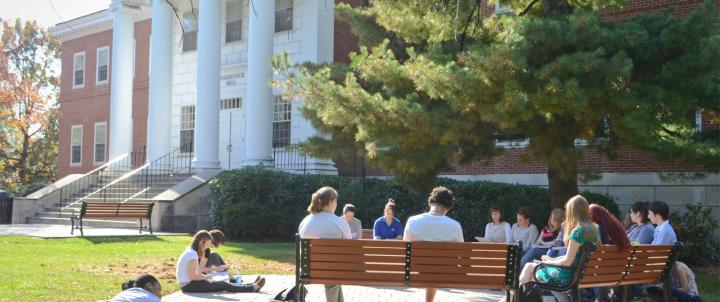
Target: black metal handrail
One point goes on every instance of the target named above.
(289, 158)
(69, 194)
(138, 182)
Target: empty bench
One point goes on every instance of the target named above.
(113, 210)
(606, 266)
(408, 264)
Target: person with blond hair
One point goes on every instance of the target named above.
(579, 228)
(323, 223)
(435, 225)
(547, 237)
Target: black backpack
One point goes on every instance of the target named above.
(289, 294)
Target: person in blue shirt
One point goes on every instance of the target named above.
(387, 226)
(664, 232)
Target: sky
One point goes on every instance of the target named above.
(43, 12)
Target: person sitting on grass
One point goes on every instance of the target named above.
(547, 237)
(684, 287)
(145, 288)
(354, 223)
(387, 226)
(579, 228)
(435, 225)
(497, 230)
(213, 261)
(192, 280)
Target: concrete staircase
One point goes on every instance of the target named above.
(123, 191)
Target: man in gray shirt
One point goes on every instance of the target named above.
(354, 223)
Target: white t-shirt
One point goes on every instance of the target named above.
(324, 225)
(135, 294)
(427, 227)
(181, 270)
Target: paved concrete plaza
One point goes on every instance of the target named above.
(316, 293)
(63, 231)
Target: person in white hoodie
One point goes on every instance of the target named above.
(323, 223)
(435, 225)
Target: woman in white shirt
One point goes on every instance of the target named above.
(497, 230)
(323, 223)
(192, 280)
(434, 225)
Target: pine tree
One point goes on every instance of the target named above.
(436, 82)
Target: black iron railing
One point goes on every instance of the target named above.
(139, 182)
(290, 159)
(69, 194)
(136, 182)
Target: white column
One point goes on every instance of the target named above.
(207, 102)
(258, 116)
(121, 77)
(160, 104)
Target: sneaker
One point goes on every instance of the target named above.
(259, 284)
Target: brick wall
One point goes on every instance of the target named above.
(91, 104)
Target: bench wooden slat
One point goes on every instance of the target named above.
(479, 285)
(649, 261)
(457, 269)
(650, 247)
(639, 281)
(459, 261)
(356, 243)
(604, 270)
(327, 274)
(612, 262)
(357, 258)
(358, 250)
(347, 281)
(460, 246)
(459, 278)
(592, 279)
(347, 266)
(458, 253)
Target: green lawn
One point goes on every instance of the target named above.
(90, 269)
(709, 287)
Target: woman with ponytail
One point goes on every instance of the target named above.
(145, 288)
(387, 226)
(323, 223)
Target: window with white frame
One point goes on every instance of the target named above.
(100, 142)
(281, 121)
(698, 120)
(102, 65)
(233, 21)
(79, 70)
(187, 128)
(190, 27)
(283, 15)
(76, 134)
(231, 103)
(600, 135)
(507, 140)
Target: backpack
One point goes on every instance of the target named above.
(289, 294)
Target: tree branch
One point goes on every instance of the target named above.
(527, 9)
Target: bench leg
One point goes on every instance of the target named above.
(150, 225)
(72, 225)
(667, 290)
(141, 226)
(81, 227)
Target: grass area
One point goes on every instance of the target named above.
(90, 269)
(708, 286)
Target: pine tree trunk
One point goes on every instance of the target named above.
(561, 188)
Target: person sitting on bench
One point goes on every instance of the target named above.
(145, 288)
(435, 225)
(579, 228)
(191, 280)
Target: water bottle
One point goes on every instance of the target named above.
(238, 278)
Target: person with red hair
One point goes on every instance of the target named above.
(612, 230)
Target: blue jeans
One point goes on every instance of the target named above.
(684, 297)
(557, 252)
(532, 254)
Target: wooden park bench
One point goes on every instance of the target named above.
(113, 210)
(605, 267)
(408, 264)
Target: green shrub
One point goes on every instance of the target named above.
(695, 228)
(254, 203)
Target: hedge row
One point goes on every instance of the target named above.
(254, 203)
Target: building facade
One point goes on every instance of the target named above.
(193, 76)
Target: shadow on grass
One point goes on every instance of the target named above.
(117, 239)
(279, 251)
